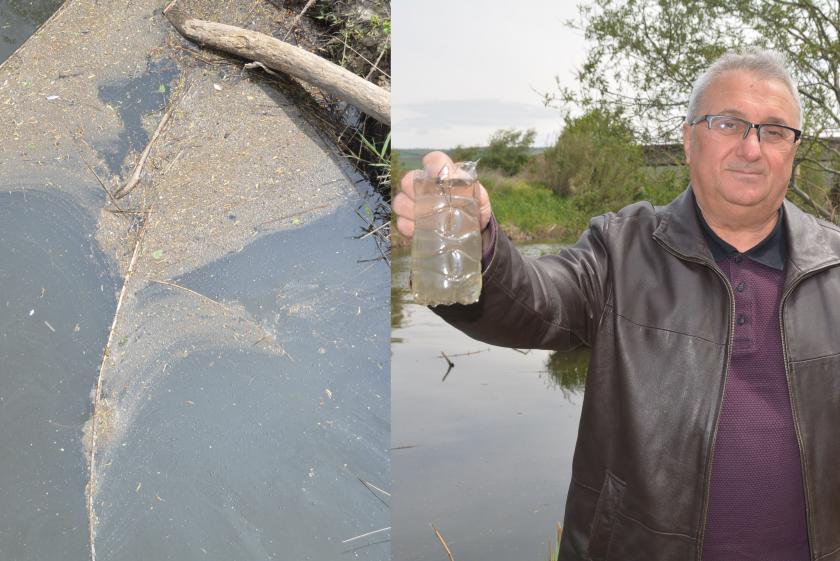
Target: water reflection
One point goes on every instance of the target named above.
(472, 454)
(567, 370)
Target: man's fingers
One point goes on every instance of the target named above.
(407, 183)
(433, 162)
(403, 206)
(405, 227)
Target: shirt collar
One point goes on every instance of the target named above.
(771, 251)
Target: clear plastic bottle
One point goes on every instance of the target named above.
(446, 248)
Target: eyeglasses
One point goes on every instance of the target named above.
(725, 125)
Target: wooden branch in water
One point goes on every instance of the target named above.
(135, 176)
(297, 62)
(443, 542)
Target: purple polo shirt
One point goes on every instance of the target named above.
(756, 508)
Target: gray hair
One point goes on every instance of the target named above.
(766, 63)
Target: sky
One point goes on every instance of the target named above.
(462, 69)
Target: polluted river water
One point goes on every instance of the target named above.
(481, 450)
(198, 331)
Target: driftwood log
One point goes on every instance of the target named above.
(297, 62)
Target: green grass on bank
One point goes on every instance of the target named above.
(529, 211)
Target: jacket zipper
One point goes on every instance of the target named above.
(730, 336)
(790, 289)
(797, 431)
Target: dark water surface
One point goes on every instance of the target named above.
(57, 299)
(225, 448)
(485, 455)
(19, 19)
(237, 453)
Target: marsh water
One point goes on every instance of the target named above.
(19, 18)
(222, 447)
(57, 299)
(236, 453)
(481, 450)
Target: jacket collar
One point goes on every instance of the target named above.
(808, 246)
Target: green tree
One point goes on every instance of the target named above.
(508, 150)
(465, 153)
(646, 54)
(596, 159)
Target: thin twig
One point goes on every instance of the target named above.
(443, 542)
(366, 535)
(372, 486)
(376, 229)
(135, 176)
(98, 394)
(795, 188)
(297, 18)
(376, 64)
(217, 303)
(361, 56)
(102, 184)
(191, 291)
(173, 162)
(471, 353)
(449, 362)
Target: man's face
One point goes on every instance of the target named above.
(735, 178)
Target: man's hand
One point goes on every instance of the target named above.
(403, 204)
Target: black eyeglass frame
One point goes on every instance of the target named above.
(797, 134)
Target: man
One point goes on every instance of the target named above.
(710, 420)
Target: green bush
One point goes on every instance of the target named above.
(508, 150)
(594, 157)
(598, 164)
(465, 153)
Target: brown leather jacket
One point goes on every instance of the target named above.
(640, 287)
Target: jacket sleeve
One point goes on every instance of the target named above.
(553, 302)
